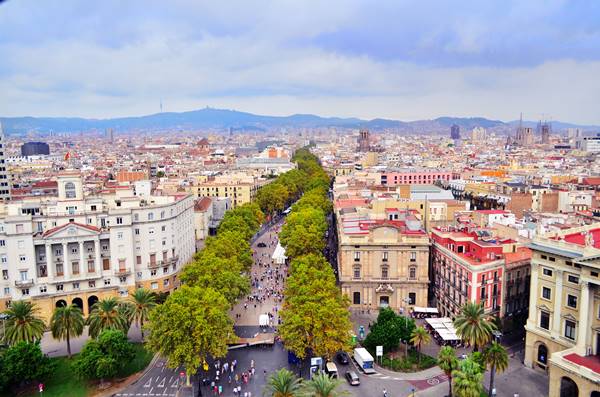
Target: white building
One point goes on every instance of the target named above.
(79, 249)
(4, 182)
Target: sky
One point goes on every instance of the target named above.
(405, 60)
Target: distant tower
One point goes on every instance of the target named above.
(545, 129)
(110, 135)
(230, 132)
(455, 131)
(161, 106)
(524, 135)
(4, 184)
(363, 141)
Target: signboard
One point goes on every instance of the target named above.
(379, 351)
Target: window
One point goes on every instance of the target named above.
(43, 289)
(153, 272)
(384, 272)
(92, 284)
(120, 236)
(570, 329)
(545, 320)
(165, 270)
(546, 293)
(25, 291)
(413, 256)
(163, 228)
(356, 298)
(552, 259)
(75, 285)
(6, 291)
(22, 258)
(70, 192)
(356, 256)
(151, 230)
(150, 216)
(107, 281)
(20, 244)
(356, 272)
(482, 294)
(547, 272)
(573, 279)
(544, 257)
(384, 256)
(412, 298)
(154, 285)
(572, 301)
(166, 282)
(59, 287)
(93, 208)
(2, 243)
(137, 232)
(123, 279)
(412, 273)
(119, 220)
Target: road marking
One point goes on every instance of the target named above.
(147, 384)
(150, 392)
(162, 383)
(176, 383)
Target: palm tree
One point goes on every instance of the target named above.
(467, 379)
(22, 323)
(473, 326)
(107, 314)
(496, 357)
(447, 362)
(322, 385)
(282, 383)
(67, 321)
(419, 337)
(141, 302)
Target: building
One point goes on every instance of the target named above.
(110, 135)
(364, 144)
(545, 129)
(34, 149)
(470, 265)
(478, 134)
(266, 166)
(563, 329)
(77, 249)
(413, 176)
(590, 144)
(382, 262)
(455, 131)
(241, 188)
(4, 182)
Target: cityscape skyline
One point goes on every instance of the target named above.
(347, 61)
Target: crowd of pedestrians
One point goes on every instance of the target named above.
(227, 375)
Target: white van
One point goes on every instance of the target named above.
(331, 369)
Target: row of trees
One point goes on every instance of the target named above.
(23, 323)
(315, 316)
(194, 321)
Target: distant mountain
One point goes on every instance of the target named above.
(222, 119)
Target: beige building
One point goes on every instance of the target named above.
(563, 329)
(77, 249)
(382, 262)
(240, 187)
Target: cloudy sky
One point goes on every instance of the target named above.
(396, 59)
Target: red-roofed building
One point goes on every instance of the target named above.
(469, 265)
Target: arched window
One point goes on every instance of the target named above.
(70, 191)
(542, 354)
(356, 298)
(568, 388)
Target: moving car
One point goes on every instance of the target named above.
(352, 378)
(342, 358)
(261, 245)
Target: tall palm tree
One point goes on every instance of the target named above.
(419, 337)
(473, 326)
(447, 362)
(140, 303)
(282, 383)
(22, 323)
(66, 322)
(107, 314)
(467, 379)
(322, 385)
(496, 357)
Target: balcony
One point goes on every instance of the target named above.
(122, 272)
(174, 259)
(155, 264)
(24, 283)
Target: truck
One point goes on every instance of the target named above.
(364, 360)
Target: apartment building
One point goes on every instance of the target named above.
(77, 249)
(414, 176)
(382, 262)
(240, 187)
(563, 329)
(470, 265)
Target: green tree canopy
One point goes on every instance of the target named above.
(67, 322)
(272, 197)
(139, 306)
(473, 326)
(230, 245)
(192, 324)
(23, 323)
(448, 362)
(104, 356)
(467, 379)
(304, 231)
(322, 385)
(389, 330)
(282, 383)
(107, 314)
(24, 362)
(496, 357)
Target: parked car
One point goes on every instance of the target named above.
(352, 378)
(261, 245)
(342, 358)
